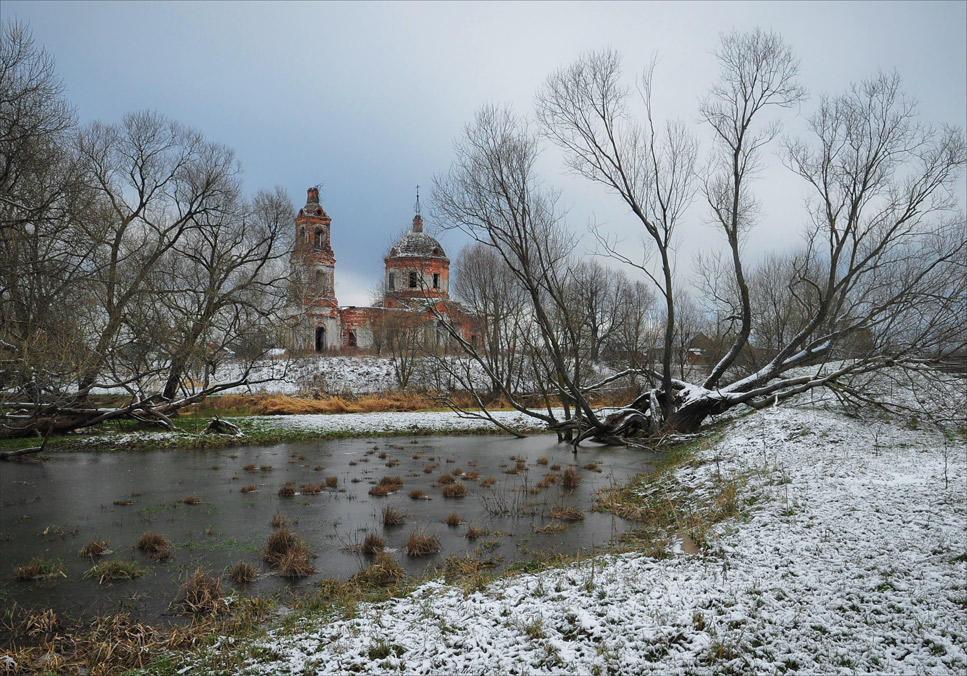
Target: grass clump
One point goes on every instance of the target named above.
(94, 548)
(191, 500)
(249, 489)
(113, 571)
(445, 479)
(287, 491)
(332, 482)
(542, 461)
(454, 490)
(392, 517)
(566, 513)
(570, 479)
(288, 555)
(452, 520)
(473, 533)
(242, 573)
(488, 482)
(420, 543)
(155, 546)
(201, 594)
(39, 568)
(372, 545)
(310, 489)
(384, 571)
(417, 494)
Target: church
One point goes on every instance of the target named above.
(416, 297)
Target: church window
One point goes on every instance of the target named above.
(436, 280)
(351, 337)
(392, 281)
(412, 280)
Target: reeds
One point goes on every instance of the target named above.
(39, 568)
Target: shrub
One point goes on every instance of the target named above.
(155, 546)
(457, 490)
(570, 478)
(242, 573)
(392, 517)
(421, 544)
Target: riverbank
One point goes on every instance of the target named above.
(849, 555)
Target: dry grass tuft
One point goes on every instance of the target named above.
(201, 594)
(318, 468)
(542, 461)
(555, 467)
(452, 520)
(570, 479)
(265, 468)
(429, 469)
(191, 500)
(242, 573)
(287, 554)
(456, 490)
(280, 520)
(94, 548)
(310, 489)
(456, 471)
(552, 527)
(566, 513)
(380, 490)
(549, 479)
(445, 479)
(332, 482)
(249, 468)
(372, 544)
(287, 491)
(392, 517)
(155, 546)
(593, 467)
(473, 533)
(417, 494)
(471, 476)
(249, 489)
(488, 482)
(384, 571)
(124, 502)
(421, 544)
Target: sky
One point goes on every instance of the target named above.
(367, 99)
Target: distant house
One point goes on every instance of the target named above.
(416, 284)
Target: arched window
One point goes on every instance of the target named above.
(392, 281)
(436, 280)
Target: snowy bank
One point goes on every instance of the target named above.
(851, 557)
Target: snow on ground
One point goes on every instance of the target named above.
(395, 422)
(853, 558)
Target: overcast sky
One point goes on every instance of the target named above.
(368, 98)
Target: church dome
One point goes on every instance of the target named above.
(417, 244)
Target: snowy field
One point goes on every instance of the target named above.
(852, 559)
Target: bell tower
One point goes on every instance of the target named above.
(312, 258)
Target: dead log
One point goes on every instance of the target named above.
(219, 426)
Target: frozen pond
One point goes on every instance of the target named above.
(54, 508)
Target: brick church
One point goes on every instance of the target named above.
(416, 291)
